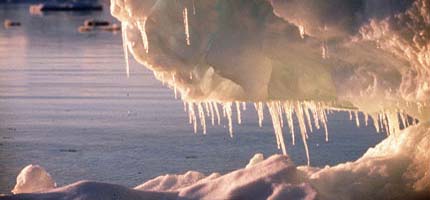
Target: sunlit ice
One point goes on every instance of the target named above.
(291, 57)
(300, 61)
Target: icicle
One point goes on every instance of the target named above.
(302, 126)
(323, 118)
(380, 122)
(279, 111)
(217, 112)
(375, 122)
(194, 8)
(308, 117)
(208, 114)
(228, 111)
(192, 116)
(174, 86)
(202, 116)
(385, 124)
(142, 28)
(243, 105)
(239, 117)
(357, 121)
(301, 118)
(260, 112)
(125, 47)
(315, 114)
(393, 122)
(288, 109)
(366, 119)
(274, 112)
(324, 50)
(211, 109)
(187, 31)
(302, 31)
(402, 119)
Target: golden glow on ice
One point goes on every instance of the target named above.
(309, 115)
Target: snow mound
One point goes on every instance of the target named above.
(33, 178)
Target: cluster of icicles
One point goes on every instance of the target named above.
(309, 114)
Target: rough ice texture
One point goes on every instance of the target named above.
(397, 168)
(368, 54)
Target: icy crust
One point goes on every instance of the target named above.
(360, 52)
(397, 168)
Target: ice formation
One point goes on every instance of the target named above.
(297, 58)
(33, 178)
(373, 58)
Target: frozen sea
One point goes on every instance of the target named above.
(67, 105)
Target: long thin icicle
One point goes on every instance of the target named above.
(125, 47)
(142, 28)
(187, 30)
